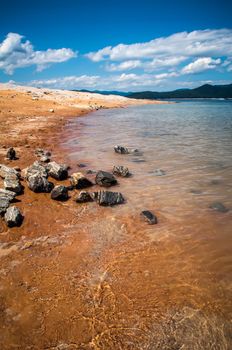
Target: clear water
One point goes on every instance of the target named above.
(173, 279)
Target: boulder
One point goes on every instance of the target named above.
(59, 193)
(121, 171)
(13, 217)
(35, 169)
(6, 197)
(149, 217)
(218, 206)
(105, 179)
(38, 183)
(5, 171)
(57, 171)
(121, 149)
(84, 197)
(79, 181)
(125, 150)
(12, 183)
(11, 154)
(108, 198)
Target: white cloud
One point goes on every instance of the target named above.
(201, 43)
(200, 65)
(126, 65)
(119, 82)
(16, 53)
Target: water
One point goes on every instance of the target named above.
(166, 286)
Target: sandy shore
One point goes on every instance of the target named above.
(46, 260)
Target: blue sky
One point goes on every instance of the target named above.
(124, 45)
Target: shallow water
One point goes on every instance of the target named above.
(165, 286)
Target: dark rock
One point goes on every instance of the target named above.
(121, 171)
(13, 217)
(215, 182)
(105, 179)
(12, 183)
(124, 150)
(70, 187)
(218, 206)
(81, 165)
(6, 197)
(6, 171)
(91, 171)
(79, 181)
(149, 217)
(108, 198)
(38, 183)
(159, 172)
(11, 154)
(40, 152)
(57, 171)
(59, 193)
(84, 197)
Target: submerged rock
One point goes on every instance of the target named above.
(159, 172)
(105, 179)
(57, 171)
(149, 217)
(6, 197)
(6, 171)
(13, 184)
(108, 198)
(79, 181)
(38, 183)
(11, 154)
(13, 217)
(84, 197)
(59, 193)
(121, 171)
(218, 206)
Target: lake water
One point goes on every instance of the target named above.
(164, 286)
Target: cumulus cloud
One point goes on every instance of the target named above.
(15, 53)
(120, 82)
(200, 65)
(202, 43)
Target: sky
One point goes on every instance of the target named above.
(116, 45)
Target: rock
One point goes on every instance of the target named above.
(195, 191)
(84, 197)
(51, 110)
(35, 169)
(105, 179)
(218, 206)
(5, 171)
(159, 172)
(59, 193)
(81, 165)
(108, 198)
(13, 217)
(44, 159)
(79, 181)
(40, 152)
(38, 183)
(6, 197)
(138, 160)
(11, 154)
(91, 171)
(125, 150)
(121, 171)
(149, 217)
(57, 171)
(12, 183)
(215, 182)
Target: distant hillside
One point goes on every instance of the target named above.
(204, 91)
